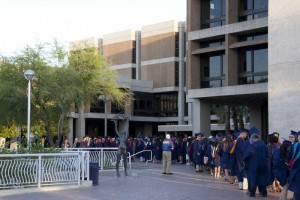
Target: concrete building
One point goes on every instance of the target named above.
(236, 53)
(227, 58)
(244, 53)
(151, 63)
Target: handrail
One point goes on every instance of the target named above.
(142, 152)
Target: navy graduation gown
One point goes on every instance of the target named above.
(279, 167)
(256, 161)
(294, 178)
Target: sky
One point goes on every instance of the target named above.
(26, 22)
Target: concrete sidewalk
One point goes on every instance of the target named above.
(145, 182)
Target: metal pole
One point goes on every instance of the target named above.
(28, 115)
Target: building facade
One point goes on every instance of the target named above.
(244, 52)
(150, 62)
(235, 53)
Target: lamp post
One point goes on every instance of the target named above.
(29, 75)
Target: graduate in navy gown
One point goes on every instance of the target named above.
(272, 146)
(237, 151)
(210, 154)
(199, 152)
(256, 159)
(225, 158)
(280, 168)
(294, 178)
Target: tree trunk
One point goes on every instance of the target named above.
(241, 122)
(48, 133)
(234, 118)
(227, 119)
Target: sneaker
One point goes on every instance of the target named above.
(164, 173)
(169, 173)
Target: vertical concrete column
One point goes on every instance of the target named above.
(181, 100)
(232, 11)
(255, 116)
(138, 54)
(193, 62)
(284, 66)
(201, 117)
(230, 62)
(70, 134)
(190, 113)
(80, 123)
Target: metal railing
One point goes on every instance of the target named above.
(105, 156)
(31, 170)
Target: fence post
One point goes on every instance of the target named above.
(39, 171)
(88, 165)
(102, 159)
(79, 158)
(82, 165)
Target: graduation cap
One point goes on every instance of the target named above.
(253, 130)
(243, 131)
(236, 134)
(294, 133)
(199, 134)
(213, 139)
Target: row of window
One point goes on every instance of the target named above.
(252, 67)
(147, 104)
(213, 12)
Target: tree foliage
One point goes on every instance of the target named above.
(61, 82)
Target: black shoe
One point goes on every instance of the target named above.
(164, 173)
(252, 195)
(264, 195)
(169, 173)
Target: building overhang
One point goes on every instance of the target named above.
(240, 27)
(236, 95)
(175, 128)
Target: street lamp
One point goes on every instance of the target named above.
(29, 75)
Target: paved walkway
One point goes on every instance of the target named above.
(145, 182)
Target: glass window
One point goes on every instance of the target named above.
(215, 64)
(253, 66)
(213, 13)
(260, 59)
(261, 79)
(253, 9)
(212, 71)
(260, 4)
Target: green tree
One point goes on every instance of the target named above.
(60, 82)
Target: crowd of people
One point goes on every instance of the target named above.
(241, 158)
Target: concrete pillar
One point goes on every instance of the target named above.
(201, 117)
(284, 66)
(138, 54)
(232, 11)
(181, 100)
(190, 113)
(230, 62)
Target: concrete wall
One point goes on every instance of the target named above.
(284, 66)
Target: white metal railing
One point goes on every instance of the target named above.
(105, 156)
(31, 170)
